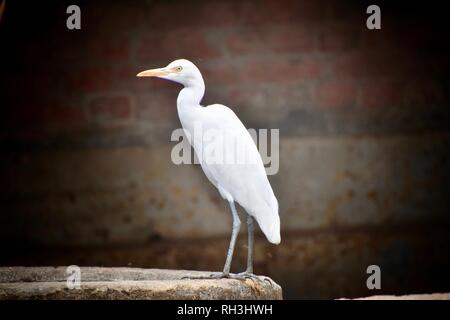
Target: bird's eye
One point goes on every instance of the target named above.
(178, 69)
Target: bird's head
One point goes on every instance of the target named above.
(182, 71)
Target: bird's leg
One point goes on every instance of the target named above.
(226, 269)
(234, 234)
(248, 273)
(251, 230)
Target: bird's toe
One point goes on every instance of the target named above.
(252, 276)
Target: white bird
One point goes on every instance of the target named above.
(242, 181)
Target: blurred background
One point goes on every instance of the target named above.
(86, 175)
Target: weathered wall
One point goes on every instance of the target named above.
(364, 115)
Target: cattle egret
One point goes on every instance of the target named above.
(244, 182)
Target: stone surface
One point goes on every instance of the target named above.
(127, 283)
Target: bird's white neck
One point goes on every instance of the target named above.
(191, 95)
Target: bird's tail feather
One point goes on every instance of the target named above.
(274, 235)
(269, 222)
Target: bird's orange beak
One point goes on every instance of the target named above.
(153, 73)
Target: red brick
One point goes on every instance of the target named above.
(111, 49)
(218, 14)
(345, 10)
(270, 39)
(110, 108)
(222, 74)
(173, 15)
(241, 97)
(337, 37)
(103, 19)
(246, 41)
(208, 14)
(282, 71)
(382, 93)
(230, 13)
(263, 12)
(158, 107)
(176, 43)
(294, 39)
(57, 114)
(336, 94)
(390, 63)
(268, 99)
(89, 79)
(350, 63)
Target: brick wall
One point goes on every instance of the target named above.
(363, 117)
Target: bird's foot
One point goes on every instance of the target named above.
(252, 276)
(237, 276)
(224, 275)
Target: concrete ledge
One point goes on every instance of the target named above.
(127, 283)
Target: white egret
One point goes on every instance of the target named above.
(245, 183)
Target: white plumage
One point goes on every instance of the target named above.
(244, 182)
